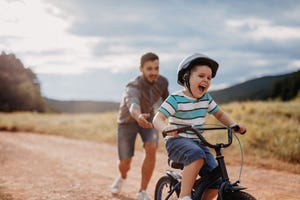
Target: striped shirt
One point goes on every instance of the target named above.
(182, 110)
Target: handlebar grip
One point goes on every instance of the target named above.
(237, 128)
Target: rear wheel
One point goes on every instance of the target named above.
(237, 195)
(163, 188)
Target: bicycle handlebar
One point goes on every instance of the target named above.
(200, 136)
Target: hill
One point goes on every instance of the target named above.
(255, 89)
(263, 88)
(82, 106)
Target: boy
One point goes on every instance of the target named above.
(189, 107)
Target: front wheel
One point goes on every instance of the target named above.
(165, 189)
(237, 195)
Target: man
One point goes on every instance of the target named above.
(135, 117)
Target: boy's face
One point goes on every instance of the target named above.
(200, 78)
(150, 70)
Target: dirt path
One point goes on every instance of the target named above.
(39, 167)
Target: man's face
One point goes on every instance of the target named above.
(150, 70)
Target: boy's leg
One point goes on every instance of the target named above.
(210, 164)
(186, 151)
(189, 175)
(210, 194)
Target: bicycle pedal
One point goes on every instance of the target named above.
(238, 187)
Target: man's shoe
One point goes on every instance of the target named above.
(115, 188)
(142, 195)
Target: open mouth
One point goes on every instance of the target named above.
(201, 88)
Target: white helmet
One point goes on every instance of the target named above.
(190, 61)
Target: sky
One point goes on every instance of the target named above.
(90, 49)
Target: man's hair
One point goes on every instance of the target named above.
(148, 57)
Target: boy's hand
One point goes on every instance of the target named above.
(239, 128)
(143, 122)
(170, 127)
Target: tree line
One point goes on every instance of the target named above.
(19, 86)
(288, 88)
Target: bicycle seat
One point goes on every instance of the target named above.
(175, 165)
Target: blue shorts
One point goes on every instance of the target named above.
(127, 136)
(186, 151)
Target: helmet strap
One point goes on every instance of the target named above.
(186, 78)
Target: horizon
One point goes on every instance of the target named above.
(216, 90)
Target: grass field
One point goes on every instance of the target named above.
(272, 139)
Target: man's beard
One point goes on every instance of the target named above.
(152, 79)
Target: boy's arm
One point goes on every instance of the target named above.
(225, 119)
(159, 121)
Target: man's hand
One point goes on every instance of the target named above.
(142, 120)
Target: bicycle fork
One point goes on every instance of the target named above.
(226, 184)
(176, 183)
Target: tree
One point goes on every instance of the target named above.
(19, 86)
(287, 88)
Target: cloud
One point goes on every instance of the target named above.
(81, 39)
(260, 29)
(29, 31)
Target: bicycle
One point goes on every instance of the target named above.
(168, 186)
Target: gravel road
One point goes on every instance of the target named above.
(43, 167)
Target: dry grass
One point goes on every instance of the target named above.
(97, 127)
(273, 135)
(272, 139)
(273, 128)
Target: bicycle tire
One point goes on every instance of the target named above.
(237, 195)
(163, 186)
